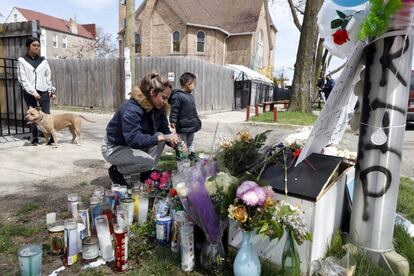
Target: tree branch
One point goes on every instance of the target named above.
(294, 15)
(337, 69)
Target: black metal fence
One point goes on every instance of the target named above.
(12, 108)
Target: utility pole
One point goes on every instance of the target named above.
(129, 50)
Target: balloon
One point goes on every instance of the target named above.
(349, 3)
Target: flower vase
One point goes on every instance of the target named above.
(290, 257)
(247, 262)
(212, 256)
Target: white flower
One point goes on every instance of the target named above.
(211, 187)
(182, 189)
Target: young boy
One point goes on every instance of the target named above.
(183, 117)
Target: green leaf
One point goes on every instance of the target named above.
(341, 14)
(336, 23)
(344, 24)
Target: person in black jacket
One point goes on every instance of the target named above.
(184, 117)
(137, 133)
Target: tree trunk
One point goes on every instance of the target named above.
(303, 86)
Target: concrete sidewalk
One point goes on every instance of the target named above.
(23, 167)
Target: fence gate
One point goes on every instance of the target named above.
(13, 37)
(12, 108)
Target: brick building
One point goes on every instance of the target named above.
(217, 31)
(59, 38)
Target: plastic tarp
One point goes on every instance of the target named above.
(249, 74)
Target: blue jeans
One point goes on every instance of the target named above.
(44, 104)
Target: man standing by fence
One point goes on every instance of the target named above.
(34, 75)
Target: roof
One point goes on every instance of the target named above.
(249, 74)
(220, 14)
(58, 24)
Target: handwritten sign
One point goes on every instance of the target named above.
(333, 119)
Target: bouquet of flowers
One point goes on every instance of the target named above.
(202, 208)
(158, 183)
(241, 154)
(220, 187)
(252, 206)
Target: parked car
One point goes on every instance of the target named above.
(410, 109)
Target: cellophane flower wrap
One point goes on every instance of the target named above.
(197, 202)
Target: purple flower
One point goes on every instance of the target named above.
(254, 197)
(244, 187)
(269, 192)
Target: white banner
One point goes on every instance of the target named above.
(333, 119)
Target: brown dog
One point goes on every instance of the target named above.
(49, 124)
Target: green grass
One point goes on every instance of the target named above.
(365, 267)
(285, 117)
(405, 204)
(27, 208)
(404, 245)
(335, 248)
(8, 231)
(167, 162)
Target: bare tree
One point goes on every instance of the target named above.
(102, 46)
(304, 75)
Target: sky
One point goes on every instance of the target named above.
(104, 13)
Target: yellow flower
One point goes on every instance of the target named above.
(244, 135)
(269, 203)
(231, 211)
(240, 213)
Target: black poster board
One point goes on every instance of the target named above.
(303, 181)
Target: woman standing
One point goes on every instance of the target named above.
(34, 75)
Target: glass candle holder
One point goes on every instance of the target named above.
(73, 201)
(104, 238)
(56, 237)
(121, 247)
(143, 207)
(187, 247)
(71, 242)
(90, 248)
(30, 260)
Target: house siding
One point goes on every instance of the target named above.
(239, 50)
(156, 22)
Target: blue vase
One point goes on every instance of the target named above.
(247, 262)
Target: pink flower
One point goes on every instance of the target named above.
(167, 174)
(155, 175)
(148, 182)
(244, 187)
(254, 197)
(269, 192)
(164, 179)
(162, 186)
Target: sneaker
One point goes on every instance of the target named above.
(116, 176)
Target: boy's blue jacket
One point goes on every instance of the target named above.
(184, 112)
(136, 123)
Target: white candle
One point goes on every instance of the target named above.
(104, 237)
(143, 208)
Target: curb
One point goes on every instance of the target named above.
(286, 126)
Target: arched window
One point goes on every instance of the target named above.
(260, 54)
(137, 43)
(201, 39)
(176, 41)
